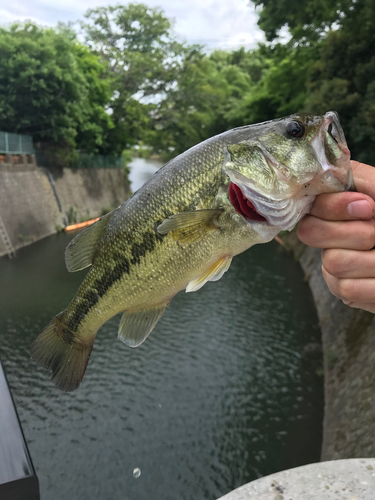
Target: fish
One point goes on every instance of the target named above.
(184, 226)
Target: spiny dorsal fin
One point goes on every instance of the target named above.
(214, 273)
(190, 226)
(135, 327)
(80, 251)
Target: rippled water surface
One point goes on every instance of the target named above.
(222, 392)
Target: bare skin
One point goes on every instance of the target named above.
(343, 225)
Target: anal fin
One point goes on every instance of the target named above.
(136, 326)
(214, 273)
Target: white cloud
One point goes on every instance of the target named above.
(213, 23)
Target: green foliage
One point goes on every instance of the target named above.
(72, 215)
(342, 35)
(307, 20)
(198, 105)
(127, 156)
(281, 90)
(52, 88)
(143, 58)
(344, 80)
(133, 83)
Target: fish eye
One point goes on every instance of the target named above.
(295, 129)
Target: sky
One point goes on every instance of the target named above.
(224, 24)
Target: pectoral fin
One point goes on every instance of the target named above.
(214, 273)
(188, 227)
(80, 251)
(135, 327)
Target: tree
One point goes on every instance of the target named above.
(52, 87)
(143, 59)
(342, 32)
(281, 86)
(306, 19)
(200, 104)
(344, 80)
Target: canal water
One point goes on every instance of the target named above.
(223, 391)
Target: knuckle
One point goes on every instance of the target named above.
(368, 235)
(305, 230)
(333, 262)
(346, 290)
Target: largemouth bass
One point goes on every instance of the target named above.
(184, 226)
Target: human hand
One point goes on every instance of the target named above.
(343, 225)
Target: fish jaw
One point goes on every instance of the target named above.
(332, 152)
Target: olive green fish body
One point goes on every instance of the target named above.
(183, 227)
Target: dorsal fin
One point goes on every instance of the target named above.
(190, 226)
(80, 251)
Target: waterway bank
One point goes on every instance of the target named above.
(348, 343)
(36, 202)
(348, 339)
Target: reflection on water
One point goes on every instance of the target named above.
(220, 393)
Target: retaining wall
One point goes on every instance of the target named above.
(348, 338)
(29, 208)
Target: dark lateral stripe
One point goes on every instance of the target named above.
(111, 275)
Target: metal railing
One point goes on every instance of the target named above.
(47, 160)
(16, 143)
(96, 161)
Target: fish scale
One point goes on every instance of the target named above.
(181, 230)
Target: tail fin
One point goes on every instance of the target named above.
(57, 349)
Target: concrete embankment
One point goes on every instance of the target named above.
(35, 202)
(348, 338)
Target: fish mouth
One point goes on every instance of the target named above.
(281, 212)
(243, 205)
(340, 167)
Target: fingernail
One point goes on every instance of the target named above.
(360, 209)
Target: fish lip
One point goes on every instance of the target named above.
(341, 170)
(331, 119)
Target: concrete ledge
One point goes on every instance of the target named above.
(351, 479)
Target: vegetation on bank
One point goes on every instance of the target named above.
(131, 82)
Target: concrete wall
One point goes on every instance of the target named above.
(348, 338)
(29, 208)
(92, 192)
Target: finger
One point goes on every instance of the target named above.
(342, 263)
(355, 235)
(351, 290)
(364, 178)
(366, 306)
(343, 206)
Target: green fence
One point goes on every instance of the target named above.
(44, 159)
(16, 143)
(97, 161)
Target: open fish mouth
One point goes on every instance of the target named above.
(242, 204)
(255, 207)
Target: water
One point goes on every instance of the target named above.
(141, 170)
(222, 392)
